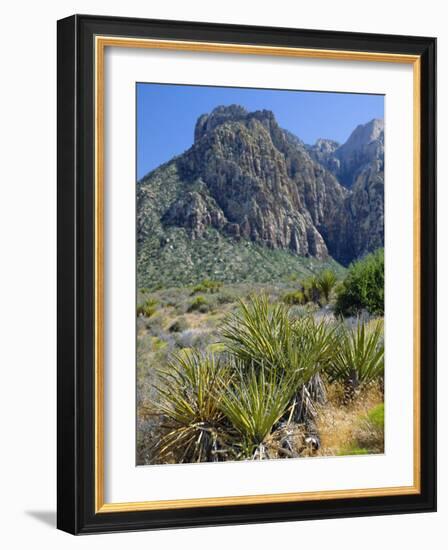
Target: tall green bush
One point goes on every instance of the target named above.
(363, 287)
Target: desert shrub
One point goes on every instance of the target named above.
(200, 303)
(368, 436)
(363, 287)
(326, 282)
(371, 429)
(179, 325)
(207, 286)
(294, 298)
(358, 359)
(189, 395)
(225, 298)
(158, 344)
(194, 338)
(147, 308)
(376, 417)
(153, 324)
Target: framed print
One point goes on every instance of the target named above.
(246, 274)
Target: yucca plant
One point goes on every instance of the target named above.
(359, 358)
(258, 333)
(315, 339)
(264, 334)
(188, 399)
(316, 342)
(326, 281)
(148, 308)
(257, 397)
(310, 288)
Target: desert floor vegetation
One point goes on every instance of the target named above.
(254, 371)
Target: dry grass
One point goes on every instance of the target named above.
(343, 428)
(288, 441)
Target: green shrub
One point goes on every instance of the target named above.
(376, 417)
(158, 344)
(363, 287)
(207, 286)
(199, 304)
(226, 298)
(148, 308)
(294, 298)
(369, 435)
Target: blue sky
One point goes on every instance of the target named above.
(167, 114)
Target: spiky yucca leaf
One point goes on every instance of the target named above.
(189, 394)
(315, 339)
(258, 332)
(257, 397)
(359, 358)
(264, 334)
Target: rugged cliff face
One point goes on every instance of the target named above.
(247, 179)
(358, 165)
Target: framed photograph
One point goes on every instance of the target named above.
(246, 274)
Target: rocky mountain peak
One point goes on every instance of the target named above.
(363, 135)
(224, 113)
(365, 144)
(248, 179)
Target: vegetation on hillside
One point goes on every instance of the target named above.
(173, 259)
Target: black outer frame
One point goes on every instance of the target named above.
(75, 403)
